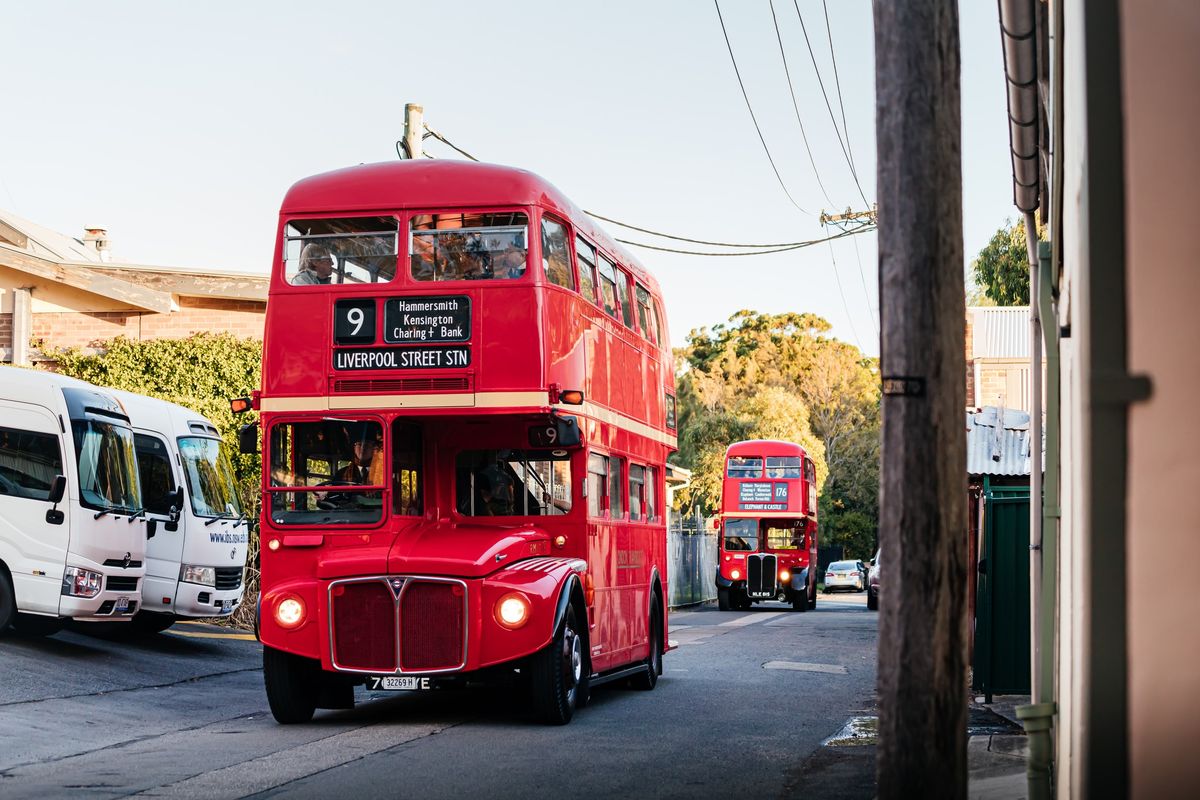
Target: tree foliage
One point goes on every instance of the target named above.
(1001, 269)
(777, 376)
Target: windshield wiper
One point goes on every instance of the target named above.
(135, 514)
(102, 512)
(211, 520)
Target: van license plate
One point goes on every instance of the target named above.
(226, 606)
(122, 605)
(406, 683)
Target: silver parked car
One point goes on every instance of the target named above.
(850, 575)
(873, 585)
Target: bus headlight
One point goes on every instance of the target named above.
(289, 613)
(205, 576)
(79, 582)
(784, 575)
(512, 610)
(735, 574)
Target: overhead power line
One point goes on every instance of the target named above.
(842, 292)
(684, 238)
(448, 143)
(797, 246)
(796, 106)
(828, 105)
(750, 108)
(838, 84)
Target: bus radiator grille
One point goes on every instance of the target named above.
(760, 575)
(364, 626)
(432, 620)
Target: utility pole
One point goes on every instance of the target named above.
(922, 671)
(413, 129)
(870, 216)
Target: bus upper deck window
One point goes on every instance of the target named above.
(341, 250)
(556, 253)
(783, 466)
(587, 269)
(645, 315)
(745, 467)
(471, 246)
(608, 287)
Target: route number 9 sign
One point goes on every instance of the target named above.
(354, 321)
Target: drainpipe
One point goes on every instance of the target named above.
(1019, 29)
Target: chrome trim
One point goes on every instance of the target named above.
(396, 598)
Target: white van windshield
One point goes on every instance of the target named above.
(108, 476)
(209, 474)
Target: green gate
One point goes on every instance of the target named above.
(1001, 663)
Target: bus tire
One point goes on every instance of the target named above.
(799, 601)
(556, 673)
(723, 600)
(8, 601)
(149, 622)
(742, 601)
(35, 625)
(647, 680)
(291, 683)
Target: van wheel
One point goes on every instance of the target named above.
(292, 686)
(8, 602)
(149, 622)
(723, 600)
(34, 625)
(647, 680)
(556, 673)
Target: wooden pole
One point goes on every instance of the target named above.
(413, 129)
(922, 674)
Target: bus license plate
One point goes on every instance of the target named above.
(406, 683)
(122, 605)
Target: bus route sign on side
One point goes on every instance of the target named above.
(425, 320)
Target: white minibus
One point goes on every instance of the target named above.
(196, 554)
(72, 527)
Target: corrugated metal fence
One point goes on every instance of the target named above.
(692, 550)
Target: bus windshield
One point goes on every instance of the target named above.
(108, 476)
(326, 473)
(209, 477)
(785, 535)
(741, 534)
(513, 483)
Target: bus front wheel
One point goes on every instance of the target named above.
(723, 603)
(292, 685)
(647, 680)
(556, 674)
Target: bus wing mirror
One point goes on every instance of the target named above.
(248, 439)
(58, 489)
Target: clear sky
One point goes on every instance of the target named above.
(179, 126)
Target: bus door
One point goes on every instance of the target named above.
(32, 542)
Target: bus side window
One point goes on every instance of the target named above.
(587, 269)
(597, 483)
(608, 287)
(623, 296)
(616, 498)
(556, 254)
(645, 315)
(407, 456)
(637, 492)
(154, 469)
(658, 326)
(651, 493)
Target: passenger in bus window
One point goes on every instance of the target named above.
(316, 265)
(510, 263)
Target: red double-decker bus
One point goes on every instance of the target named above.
(768, 544)
(467, 405)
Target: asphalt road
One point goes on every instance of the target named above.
(745, 698)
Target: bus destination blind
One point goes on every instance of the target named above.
(762, 496)
(364, 358)
(425, 320)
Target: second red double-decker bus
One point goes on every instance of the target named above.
(467, 406)
(767, 549)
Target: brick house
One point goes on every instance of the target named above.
(998, 357)
(69, 292)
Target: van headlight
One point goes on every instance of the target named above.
(205, 576)
(79, 582)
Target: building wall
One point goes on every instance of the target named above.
(1161, 79)
(970, 362)
(243, 318)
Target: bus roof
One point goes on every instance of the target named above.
(438, 184)
(764, 447)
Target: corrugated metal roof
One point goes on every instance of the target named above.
(997, 445)
(999, 332)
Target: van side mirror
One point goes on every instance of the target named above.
(248, 439)
(176, 507)
(58, 490)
